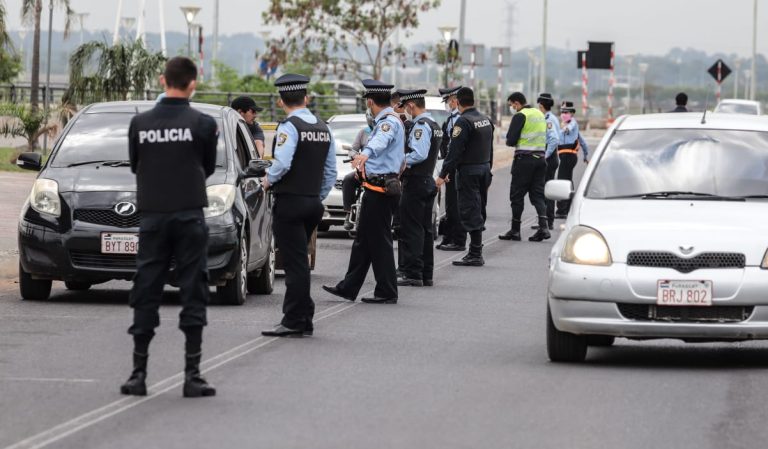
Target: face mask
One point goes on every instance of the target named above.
(512, 110)
(566, 116)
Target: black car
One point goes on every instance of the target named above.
(80, 224)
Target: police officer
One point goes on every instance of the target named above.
(171, 195)
(455, 236)
(379, 165)
(546, 102)
(301, 176)
(248, 109)
(527, 132)
(568, 151)
(419, 192)
(470, 155)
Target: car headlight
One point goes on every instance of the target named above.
(44, 197)
(221, 197)
(586, 246)
(764, 265)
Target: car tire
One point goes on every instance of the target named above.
(264, 282)
(77, 286)
(564, 346)
(33, 289)
(601, 341)
(234, 291)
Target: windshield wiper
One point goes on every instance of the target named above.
(111, 163)
(672, 194)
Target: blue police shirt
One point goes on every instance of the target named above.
(571, 134)
(452, 119)
(419, 141)
(553, 134)
(385, 146)
(282, 159)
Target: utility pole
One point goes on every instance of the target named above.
(753, 78)
(116, 36)
(140, 26)
(510, 34)
(47, 96)
(543, 68)
(215, 56)
(161, 16)
(462, 23)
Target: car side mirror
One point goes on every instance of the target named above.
(559, 190)
(257, 168)
(30, 161)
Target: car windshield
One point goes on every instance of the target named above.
(679, 163)
(104, 137)
(737, 108)
(344, 133)
(440, 115)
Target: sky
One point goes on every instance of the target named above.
(637, 26)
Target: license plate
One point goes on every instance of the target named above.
(684, 293)
(112, 243)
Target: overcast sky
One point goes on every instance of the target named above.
(637, 26)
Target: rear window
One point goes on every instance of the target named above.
(713, 162)
(104, 137)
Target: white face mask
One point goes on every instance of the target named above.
(448, 108)
(512, 110)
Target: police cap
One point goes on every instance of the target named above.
(448, 92)
(546, 100)
(291, 82)
(413, 94)
(567, 106)
(376, 87)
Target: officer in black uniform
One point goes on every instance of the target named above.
(248, 109)
(470, 155)
(302, 174)
(416, 255)
(171, 195)
(454, 236)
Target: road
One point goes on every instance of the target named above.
(459, 365)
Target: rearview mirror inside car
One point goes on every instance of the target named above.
(30, 161)
(257, 168)
(558, 190)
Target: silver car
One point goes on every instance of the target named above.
(666, 238)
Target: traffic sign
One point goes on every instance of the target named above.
(473, 54)
(719, 71)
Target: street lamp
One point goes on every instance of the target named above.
(643, 69)
(446, 32)
(127, 24)
(81, 18)
(190, 12)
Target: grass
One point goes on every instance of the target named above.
(8, 160)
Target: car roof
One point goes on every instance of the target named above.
(434, 102)
(739, 101)
(692, 120)
(358, 118)
(213, 110)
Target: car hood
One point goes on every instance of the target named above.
(342, 168)
(677, 225)
(104, 179)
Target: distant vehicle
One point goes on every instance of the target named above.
(347, 93)
(667, 236)
(732, 106)
(80, 224)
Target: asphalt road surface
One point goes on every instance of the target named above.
(459, 365)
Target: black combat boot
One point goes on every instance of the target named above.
(473, 259)
(136, 385)
(513, 233)
(542, 233)
(195, 385)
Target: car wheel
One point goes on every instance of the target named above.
(564, 346)
(33, 289)
(234, 291)
(264, 283)
(603, 341)
(77, 286)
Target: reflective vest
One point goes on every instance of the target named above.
(533, 137)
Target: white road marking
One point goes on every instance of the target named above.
(46, 379)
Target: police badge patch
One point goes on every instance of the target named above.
(417, 133)
(281, 139)
(549, 125)
(385, 127)
(456, 131)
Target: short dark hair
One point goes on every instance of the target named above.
(293, 98)
(546, 103)
(681, 99)
(179, 72)
(420, 103)
(381, 99)
(517, 97)
(466, 97)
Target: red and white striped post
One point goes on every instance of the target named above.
(611, 82)
(719, 81)
(500, 81)
(584, 85)
(200, 50)
(472, 62)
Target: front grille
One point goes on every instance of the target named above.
(659, 259)
(107, 217)
(96, 260)
(717, 314)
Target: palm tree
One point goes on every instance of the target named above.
(99, 72)
(4, 40)
(31, 12)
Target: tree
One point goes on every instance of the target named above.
(343, 36)
(100, 72)
(31, 12)
(22, 121)
(10, 62)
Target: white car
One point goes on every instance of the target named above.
(739, 107)
(666, 238)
